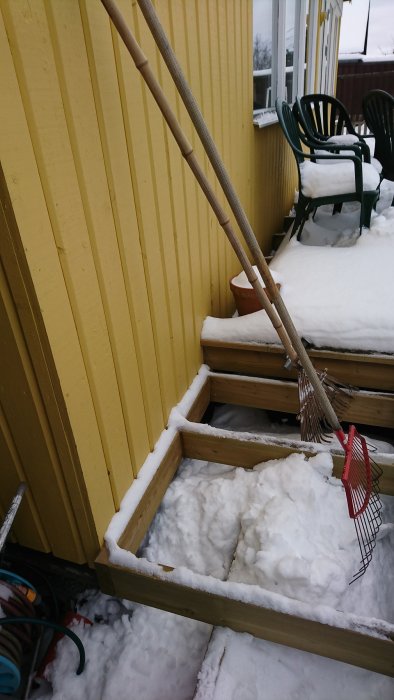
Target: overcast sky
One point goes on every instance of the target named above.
(381, 27)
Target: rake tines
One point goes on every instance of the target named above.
(314, 426)
(360, 478)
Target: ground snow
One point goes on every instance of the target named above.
(240, 667)
(141, 653)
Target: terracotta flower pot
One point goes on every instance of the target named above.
(245, 296)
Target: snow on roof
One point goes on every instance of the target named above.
(380, 30)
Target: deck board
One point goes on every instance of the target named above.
(366, 370)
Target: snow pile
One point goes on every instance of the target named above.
(319, 181)
(289, 542)
(198, 522)
(338, 297)
(282, 526)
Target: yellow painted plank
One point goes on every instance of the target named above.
(23, 179)
(196, 79)
(136, 105)
(39, 83)
(29, 315)
(216, 96)
(185, 50)
(167, 201)
(212, 234)
(226, 148)
(99, 47)
(206, 108)
(25, 416)
(68, 43)
(27, 527)
(179, 218)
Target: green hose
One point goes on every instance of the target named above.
(54, 626)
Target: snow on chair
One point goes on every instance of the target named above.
(348, 179)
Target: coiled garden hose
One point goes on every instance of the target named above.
(17, 597)
(53, 625)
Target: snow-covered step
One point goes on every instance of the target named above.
(352, 638)
(366, 370)
(358, 639)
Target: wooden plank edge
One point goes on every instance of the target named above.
(370, 372)
(150, 502)
(368, 408)
(200, 403)
(272, 348)
(342, 644)
(251, 450)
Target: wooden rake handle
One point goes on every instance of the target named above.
(186, 149)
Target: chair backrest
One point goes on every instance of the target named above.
(325, 116)
(290, 128)
(378, 109)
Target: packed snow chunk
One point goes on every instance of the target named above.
(290, 540)
(198, 522)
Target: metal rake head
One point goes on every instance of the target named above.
(313, 423)
(360, 478)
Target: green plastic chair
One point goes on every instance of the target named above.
(378, 109)
(306, 204)
(324, 117)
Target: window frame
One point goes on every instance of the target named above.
(316, 36)
(278, 68)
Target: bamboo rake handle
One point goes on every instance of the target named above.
(186, 149)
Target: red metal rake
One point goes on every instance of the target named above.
(360, 478)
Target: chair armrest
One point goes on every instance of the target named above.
(333, 148)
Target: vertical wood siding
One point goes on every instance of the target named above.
(124, 254)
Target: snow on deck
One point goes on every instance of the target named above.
(339, 295)
(240, 667)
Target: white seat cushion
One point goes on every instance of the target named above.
(319, 181)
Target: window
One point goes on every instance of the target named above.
(279, 45)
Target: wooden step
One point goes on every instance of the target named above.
(287, 222)
(369, 645)
(277, 239)
(367, 370)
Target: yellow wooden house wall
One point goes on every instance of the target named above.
(124, 257)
